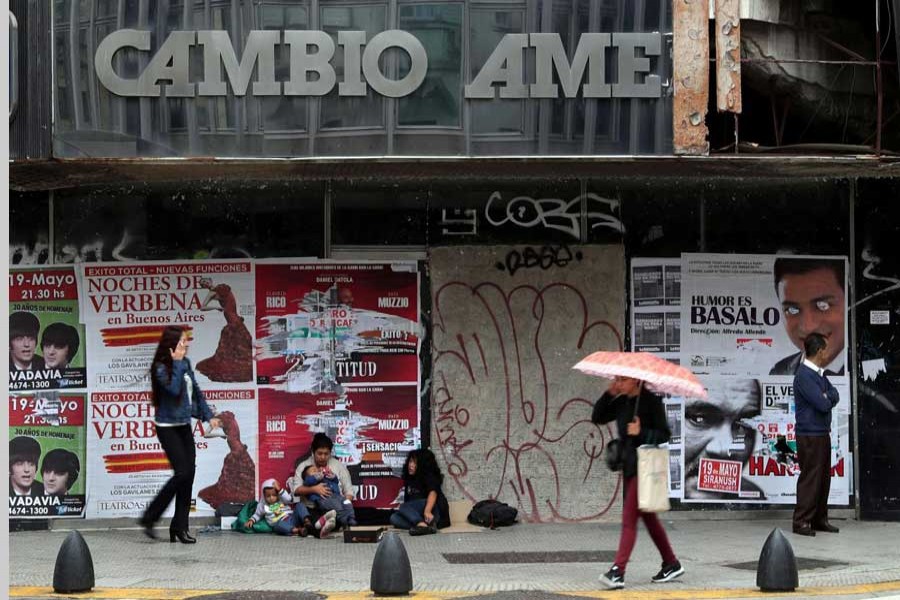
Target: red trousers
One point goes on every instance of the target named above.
(630, 515)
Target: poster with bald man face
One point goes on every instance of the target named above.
(740, 445)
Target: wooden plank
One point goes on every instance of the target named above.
(728, 56)
(690, 49)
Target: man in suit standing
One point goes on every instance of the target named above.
(814, 397)
(811, 293)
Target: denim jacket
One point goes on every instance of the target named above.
(174, 405)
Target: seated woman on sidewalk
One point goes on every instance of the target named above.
(425, 508)
(320, 456)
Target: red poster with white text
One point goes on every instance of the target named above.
(337, 351)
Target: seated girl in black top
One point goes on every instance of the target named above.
(425, 508)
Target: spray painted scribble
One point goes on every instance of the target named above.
(510, 417)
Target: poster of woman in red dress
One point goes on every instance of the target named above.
(233, 360)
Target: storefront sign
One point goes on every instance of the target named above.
(313, 51)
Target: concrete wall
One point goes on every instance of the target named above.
(510, 418)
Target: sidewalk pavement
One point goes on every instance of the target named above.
(719, 558)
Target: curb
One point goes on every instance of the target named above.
(681, 594)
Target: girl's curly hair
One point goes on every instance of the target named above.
(426, 464)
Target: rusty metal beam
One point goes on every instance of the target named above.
(728, 56)
(690, 49)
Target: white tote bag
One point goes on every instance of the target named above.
(653, 478)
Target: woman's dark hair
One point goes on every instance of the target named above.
(59, 335)
(426, 464)
(320, 440)
(171, 335)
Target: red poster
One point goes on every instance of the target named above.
(337, 347)
(323, 324)
(373, 428)
(720, 476)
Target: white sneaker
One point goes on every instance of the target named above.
(327, 528)
(331, 515)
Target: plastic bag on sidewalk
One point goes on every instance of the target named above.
(653, 478)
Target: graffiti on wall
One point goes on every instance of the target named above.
(510, 417)
(571, 218)
(543, 258)
(37, 253)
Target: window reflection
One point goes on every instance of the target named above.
(352, 111)
(283, 113)
(437, 101)
(91, 121)
(488, 26)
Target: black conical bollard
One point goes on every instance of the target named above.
(391, 573)
(776, 570)
(74, 570)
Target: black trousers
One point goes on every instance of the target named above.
(814, 483)
(178, 444)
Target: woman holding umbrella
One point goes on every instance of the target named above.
(632, 400)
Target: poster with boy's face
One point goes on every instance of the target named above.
(47, 455)
(46, 339)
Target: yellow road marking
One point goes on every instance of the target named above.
(801, 592)
(661, 594)
(111, 593)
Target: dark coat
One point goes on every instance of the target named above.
(37, 489)
(814, 397)
(654, 426)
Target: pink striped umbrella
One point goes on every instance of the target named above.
(658, 374)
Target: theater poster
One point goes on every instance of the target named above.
(47, 471)
(746, 315)
(46, 341)
(337, 352)
(125, 308)
(743, 322)
(128, 465)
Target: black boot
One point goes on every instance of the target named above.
(183, 536)
(148, 528)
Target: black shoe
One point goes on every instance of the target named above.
(613, 579)
(826, 527)
(420, 530)
(148, 529)
(668, 573)
(182, 536)
(805, 530)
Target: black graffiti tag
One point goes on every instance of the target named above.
(543, 258)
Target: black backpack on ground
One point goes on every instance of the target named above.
(493, 514)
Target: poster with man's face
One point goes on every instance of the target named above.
(740, 443)
(744, 322)
(748, 315)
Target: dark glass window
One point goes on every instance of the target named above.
(437, 101)
(189, 222)
(662, 217)
(764, 216)
(379, 216)
(29, 228)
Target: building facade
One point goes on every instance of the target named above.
(527, 161)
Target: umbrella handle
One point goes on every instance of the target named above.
(638, 401)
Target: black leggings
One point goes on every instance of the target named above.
(178, 444)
